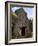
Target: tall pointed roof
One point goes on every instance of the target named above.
(20, 10)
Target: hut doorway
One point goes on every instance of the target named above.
(23, 31)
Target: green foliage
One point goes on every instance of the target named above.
(31, 24)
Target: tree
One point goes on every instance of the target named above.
(31, 24)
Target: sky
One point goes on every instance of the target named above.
(28, 10)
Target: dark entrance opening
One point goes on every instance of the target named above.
(23, 31)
